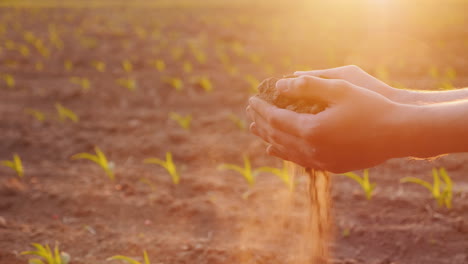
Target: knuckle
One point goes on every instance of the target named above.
(301, 82)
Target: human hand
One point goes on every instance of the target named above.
(359, 77)
(354, 132)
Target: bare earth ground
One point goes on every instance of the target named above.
(205, 218)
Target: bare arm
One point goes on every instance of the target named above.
(359, 77)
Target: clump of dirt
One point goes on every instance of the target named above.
(319, 181)
(267, 91)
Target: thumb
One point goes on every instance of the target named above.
(312, 88)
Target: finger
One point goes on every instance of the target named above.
(342, 72)
(275, 136)
(282, 119)
(312, 88)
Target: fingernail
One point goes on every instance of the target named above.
(282, 85)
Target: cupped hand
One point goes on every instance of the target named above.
(359, 77)
(355, 131)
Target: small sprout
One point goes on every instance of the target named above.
(199, 55)
(450, 73)
(183, 121)
(346, 232)
(99, 66)
(68, 64)
(24, 50)
(14, 164)
(246, 171)
(127, 66)
(9, 80)
(99, 159)
(205, 83)
(364, 182)
(40, 116)
(65, 113)
(175, 83)
(83, 82)
(39, 66)
(131, 260)
(159, 65)
(149, 183)
(177, 53)
(45, 255)
(441, 190)
(130, 84)
(253, 83)
(282, 173)
(168, 164)
(240, 123)
(187, 67)
(446, 85)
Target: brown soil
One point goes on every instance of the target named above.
(205, 218)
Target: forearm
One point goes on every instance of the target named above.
(419, 97)
(431, 130)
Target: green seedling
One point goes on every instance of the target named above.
(149, 183)
(364, 182)
(168, 164)
(246, 171)
(240, 123)
(83, 82)
(175, 83)
(253, 83)
(282, 173)
(45, 255)
(205, 84)
(9, 80)
(39, 66)
(99, 66)
(36, 114)
(187, 67)
(68, 65)
(15, 165)
(24, 51)
(65, 113)
(99, 159)
(159, 65)
(130, 84)
(127, 66)
(441, 190)
(183, 121)
(131, 260)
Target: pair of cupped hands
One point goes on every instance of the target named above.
(359, 128)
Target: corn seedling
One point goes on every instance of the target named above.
(253, 83)
(187, 67)
(205, 84)
(159, 65)
(99, 159)
(45, 255)
(168, 164)
(9, 80)
(39, 66)
(15, 165)
(149, 183)
(127, 66)
(24, 51)
(175, 83)
(183, 121)
(131, 260)
(282, 173)
(240, 123)
(130, 84)
(83, 82)
(363, 182)
(68, 64)
(441, 190)
(99, 66)
(246, 171)
(65, 113)
(36, 114)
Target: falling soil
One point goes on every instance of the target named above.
(319, 181)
